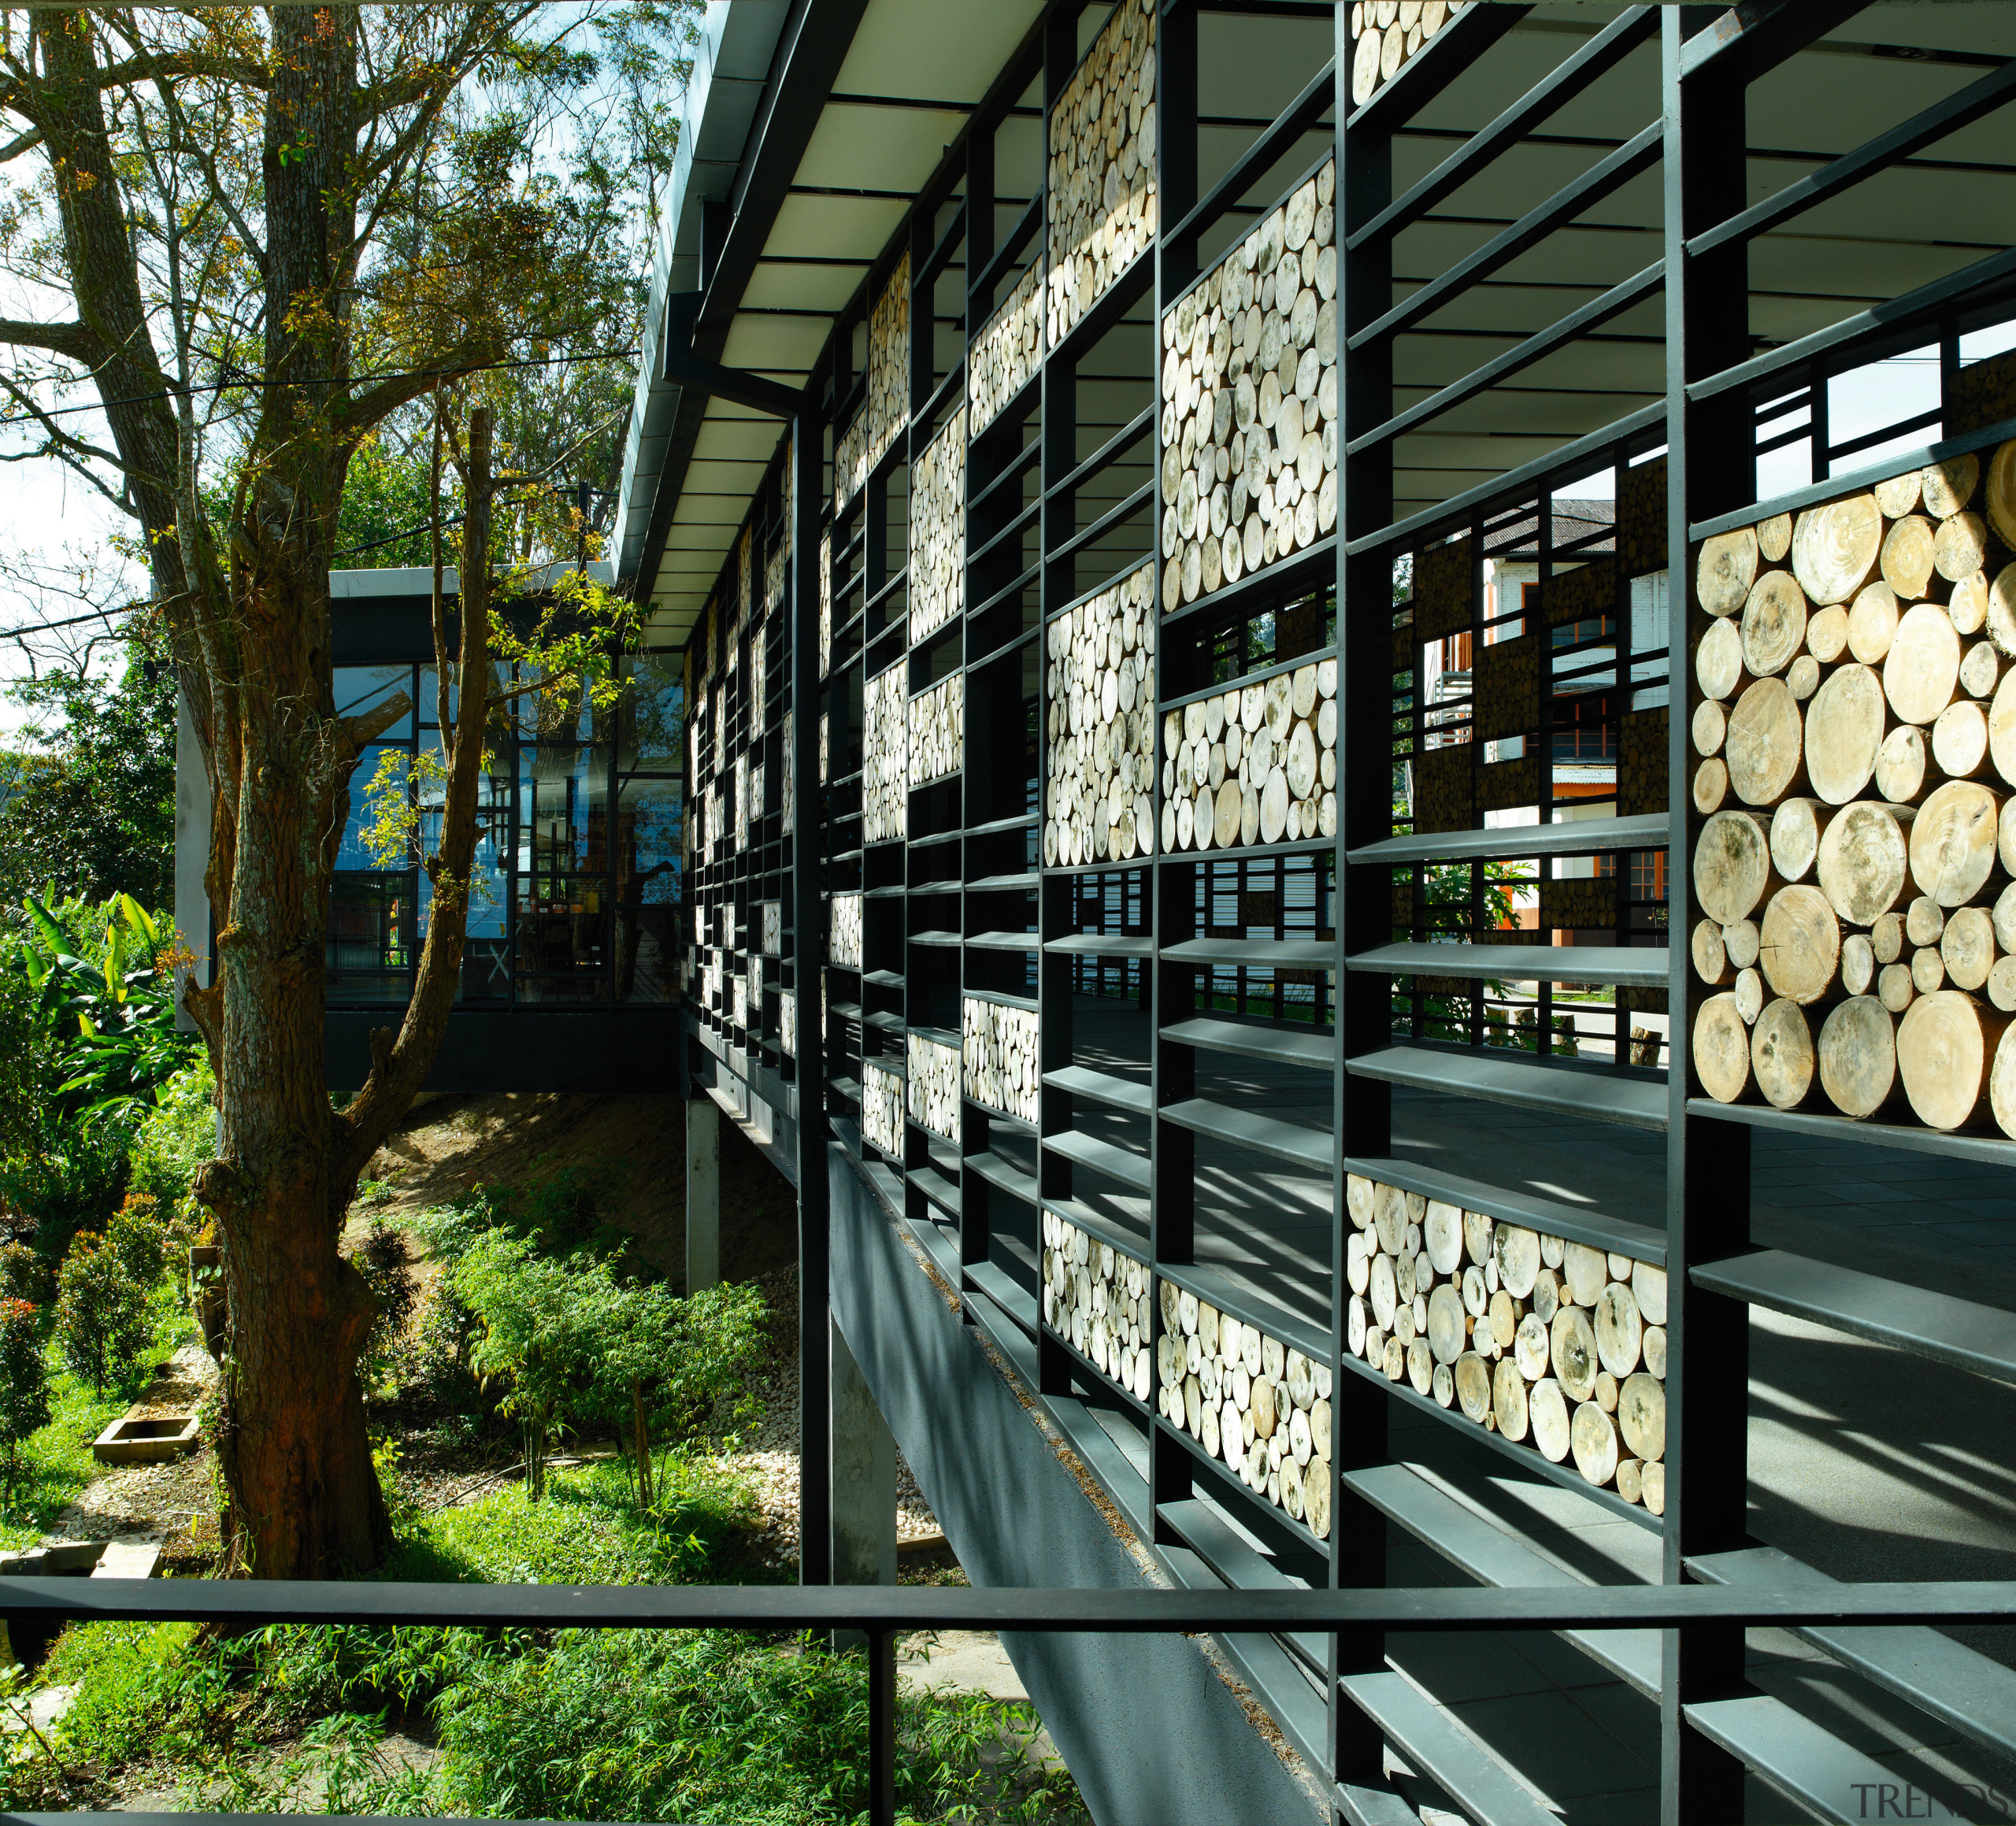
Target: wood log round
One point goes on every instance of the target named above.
(1803, 676)
(1948, 486)
(1765, 747)
(1967, 947)
(1725, 571)
(1999, 617)
(1619, 1329)
(1750, 995)
(1739, 942)
(1900, 765)
(1420, 1366)
(1641, 1415)
(1928, 971)
(1655, 1351)
(1547, 1294)
(1857, 964)
(2001, 984)
(1959, 548)
(1922, 668)
(1319, 1426)
(1981, 669)
(1710, 722)
(1548, 1419)
(1516, 1251)
(1572, 1351)
(1827, 634)
(1530, 1347)
(2001, 499)
(1886, 937)
(1836, 546)
(1722, 1049)
(1710, 959)
(1953, 841)
(1906, 558)
(2002, 729)
(1959, 740)
(1898, 496)
(1508, 1398)
(1781, 1054)
(1711, 785)
(1473, 1376)
(1448, 1330)
(1441, 1233)
(1774, 537)
(1796, 826)
(1652, 1488)
(1593, 1434)
(1872, 623)
(1718, 661)
(1630, 1483)
(2004, 918)
(1316, 1504)
(1863, 859)
(1732, 871)
(1477, 1227)
(1946, 1045)
(1774, 617)
(1649, 1284)
(1800, 945)
(1585, 1270)
(1966, 606)
(1844, 724)
(1895, 988)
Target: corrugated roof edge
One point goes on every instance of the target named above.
(731, 64)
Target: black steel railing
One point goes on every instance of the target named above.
(882, 1613)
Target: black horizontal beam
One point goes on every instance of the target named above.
(245, 1604)
(1142, 422)
(1958, 110)
(1301, 114)
(935, 261)
(982, 282)
(1457, 47)
(1602, 54)
(1603, 178)
(1752, 37)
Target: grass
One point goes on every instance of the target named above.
(56, 1460)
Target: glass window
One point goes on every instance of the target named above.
(563, 914)
(652, 705)
(648, 813)
(370, 937)
(486, 953)
(361, 689)
(354, 854)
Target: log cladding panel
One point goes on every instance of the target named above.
(1985, 394)
(1102, 203)
(1246, 1397)
(888, 408)
(788, 1022)
(885, 759)
(1582, 594)
(1444, 789)
(844, 943)
(1005, 353)
(1256, 764)
(1557, 1346)
(1445, 588)
(938, 730)
(774, 574)
(773, 928)
(882, 1108)
(1578, 902)
(1503, 785)
(938, 530)
(1002, 1068)
(1642, 764)
(933, 1082)
(741, 801)
(1864, 850)
(1386, 33)
(850, 461)
(1101, 1300)
(1098, 798)
(1641, 517)
(1249, 401)
(1505, 691)
(759, 680)
(786, 793)
(826, 603)
(739, 1001)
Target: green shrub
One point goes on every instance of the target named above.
(23, 1380)
(177, 1136)
(385, 1260)
(24, 1274)
(101, 1312)
(138, 1240)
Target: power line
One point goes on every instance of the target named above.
(323, 380)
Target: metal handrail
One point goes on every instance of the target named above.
(883, 1612)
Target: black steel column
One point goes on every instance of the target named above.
(815, 1493)
(1710, 468)
(1362, 1109)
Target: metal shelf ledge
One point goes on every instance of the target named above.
(1640, 966)
(945, 940)
(1809, 1766)
(1100, 945)
(1001, 1287)
(1428, 1739)
(1526, 1084)
(1128, 1168)
(1309, 1148)
(1255, 954)
(1943, 1327)
(1582, 837)
(1003, 1175)
(937, 1188)
(1277, 1045)
(1102, 1087)
(1005, 942)
(1240, 1566)
(1995, 1149)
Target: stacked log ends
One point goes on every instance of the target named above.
(882, 1108)
(738, 1009)
(888, 411)
(774, 574)
(786, 793)
(1101, 1301)
(843, 945)
(1248, 395)
(1642, 764)
(1099, 803)
(826, 603)
(850, 461)
(885, 759)
(1854, 680)
(933, 1085)
(741, 801)
(1553, 1343)
(788, 1022)
(1256, 764)
(1102, 206)
(1003, 1070)
(1005, 353)
(823, 756)
(1250, 1399)
(773, 928)
(938, 729)
(756, 784)
(938, 530)
(759, 679)
(1386, 33)
(1641, 514)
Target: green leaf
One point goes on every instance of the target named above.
(139, 919)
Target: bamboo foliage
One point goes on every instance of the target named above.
(1102, 1301)
(1248, 1398)
(1854, 717)
(1249, 401)
(1102, 205)
(1552, 1343)
(1098, 800)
